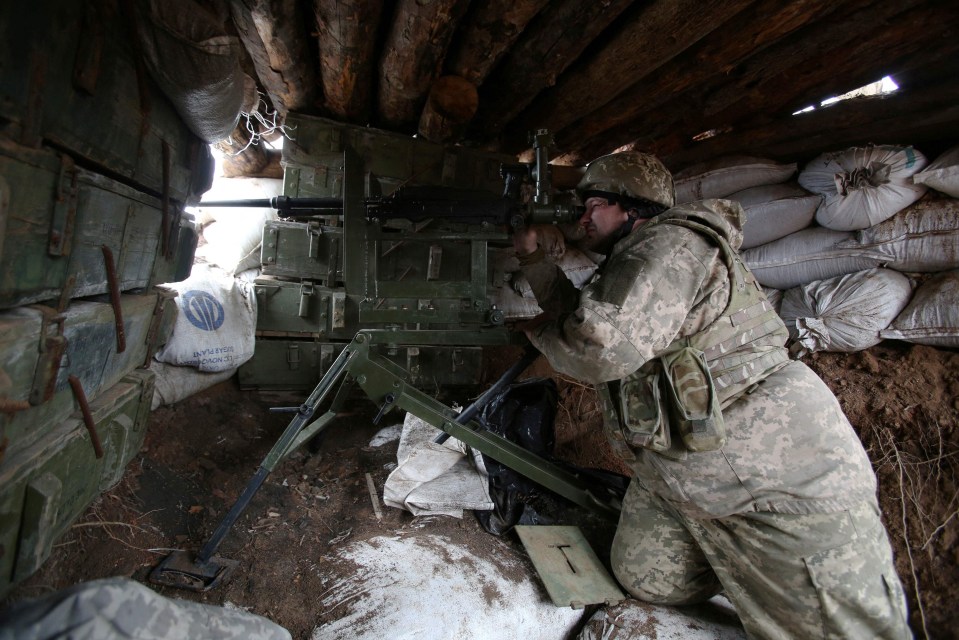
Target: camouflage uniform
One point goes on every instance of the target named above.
(781, 512)
(121, 609)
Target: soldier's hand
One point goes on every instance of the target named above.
(525, 241)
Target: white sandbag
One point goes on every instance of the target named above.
(806, 256)
(233, 238)
(432, 478)
(863, 186)
(932, 316)
(923, 237)
(175, 383)
(123, 609)
(774, 211)
(714, 619)
(215, 323)
(943, 174)
(847, 313)
(431, 587)
(720, 177)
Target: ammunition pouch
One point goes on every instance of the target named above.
(694, 404)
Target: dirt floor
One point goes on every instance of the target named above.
(902, 399)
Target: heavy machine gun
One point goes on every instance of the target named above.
(397, 318)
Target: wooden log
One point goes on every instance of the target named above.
(243, 160)
(750, 31)
(449, 108)
(489, 31)
(273, 34)
(347, 38)
(549, 45)
(415, 47)
(653, 37)
(827, 58)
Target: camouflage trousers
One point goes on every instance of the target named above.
(824, 575)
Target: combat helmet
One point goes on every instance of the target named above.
(631, 178)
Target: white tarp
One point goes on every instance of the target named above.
(435, 479)
(431, 587)
(714, 619)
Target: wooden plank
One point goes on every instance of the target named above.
(651, 38)
(272, 33)
(415, 46)
(552, 42)
(347, 38)
(568, 566)
(489, 31)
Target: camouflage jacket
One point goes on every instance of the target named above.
(790, 448)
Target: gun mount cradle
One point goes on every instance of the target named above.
(385, 383)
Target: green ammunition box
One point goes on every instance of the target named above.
(298, 365)
(56, 219)
(304, 310)
(83, 90)
(46, 486)
(40, 349)
(305, 250)
(314, 160)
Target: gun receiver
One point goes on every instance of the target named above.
(471, 206)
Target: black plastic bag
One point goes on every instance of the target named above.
(525, 414)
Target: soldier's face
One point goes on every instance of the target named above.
(601, 221)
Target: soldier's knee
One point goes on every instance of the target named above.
(666, 585)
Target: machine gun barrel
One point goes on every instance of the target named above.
(280, 203)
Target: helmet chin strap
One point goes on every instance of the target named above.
(627, 226)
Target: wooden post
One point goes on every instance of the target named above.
(449, 108)
(347, 38)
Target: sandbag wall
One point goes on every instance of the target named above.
(861, 246)
(95, 167)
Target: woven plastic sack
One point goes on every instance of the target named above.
(806, 256)
(215, 324)
(846, 313)
(774, 211)
(197, 65)
(923, 237)
(932, 317)
(943, 174)
(724, 176)
(862, 186)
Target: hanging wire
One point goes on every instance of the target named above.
(259, 123)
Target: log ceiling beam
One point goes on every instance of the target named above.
(347, 45)
(272, 33)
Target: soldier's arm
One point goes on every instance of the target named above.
(630, 312)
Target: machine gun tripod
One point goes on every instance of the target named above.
(386, 384)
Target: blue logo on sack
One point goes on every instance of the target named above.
(203, 310)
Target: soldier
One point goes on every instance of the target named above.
(748, 477)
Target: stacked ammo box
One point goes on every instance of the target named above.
(326, 277)
(95, 166)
